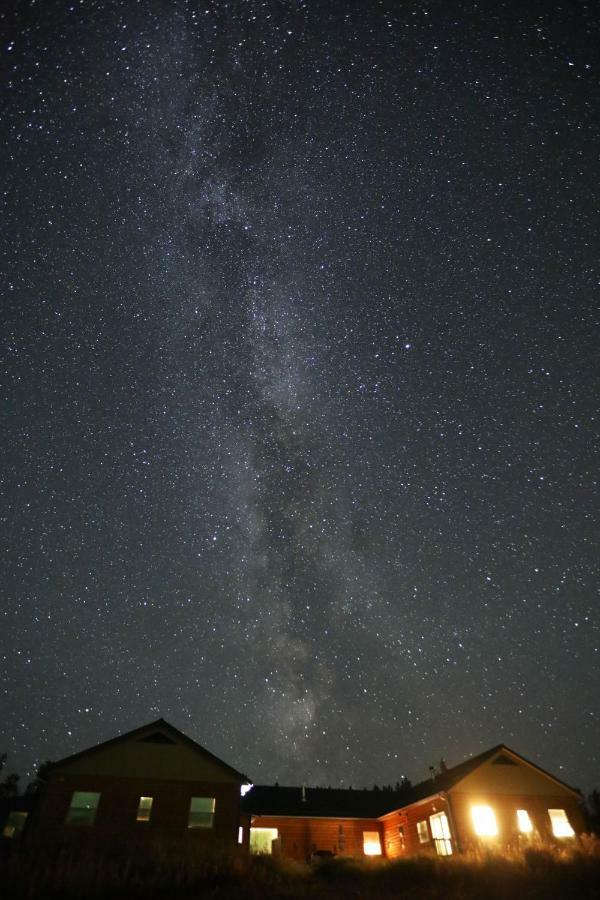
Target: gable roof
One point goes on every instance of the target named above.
(444, 781)
(161, 726)
(341, 803)
(334, 803)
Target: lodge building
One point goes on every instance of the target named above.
(156, 785)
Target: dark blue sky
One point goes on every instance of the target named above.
(300, 382)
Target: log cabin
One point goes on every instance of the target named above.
(303, 822)
(156, 785)
(497, 800)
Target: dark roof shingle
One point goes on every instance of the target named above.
(335, 803)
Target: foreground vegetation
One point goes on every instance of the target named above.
(533, 875)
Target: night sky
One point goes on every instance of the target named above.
(299, 381)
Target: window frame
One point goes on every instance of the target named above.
(203, 819)
(74, 812)
(423, 831)
(443, 840)
(371, 840)
(401, 837)
(560, 821)
(144, 809)
(484, 821)
(272, 834)
(525, 825)
(15, 824)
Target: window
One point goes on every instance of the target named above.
(440, 830)
(401, 839)
(484, 821)
(423, 831)
(261, 839)
(83, 808)
(524, 823)
(144, 809)
(14, 824)
(202, 812)
(240, 834)
(561, 827)
(371, 843)
(341, 839)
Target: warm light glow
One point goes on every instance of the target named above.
(484, 821)
(371, 843)
(524, 822)
(440, 829)
(422, 831)
(561, 827)
(261, 839)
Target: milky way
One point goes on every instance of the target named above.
(300, 382)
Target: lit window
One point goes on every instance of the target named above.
(14, 824)
(524, 822)
(202, 812)
(401, 839)
(241, 834)
(423, 831)
(561, 827)
(144, 809)
(83, 808)
(371, 843)
(484, 821)
(440, 830)
(261, 840)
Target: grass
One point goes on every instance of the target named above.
(178, 875)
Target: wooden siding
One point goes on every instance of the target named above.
(505, 807)
(115, 824)
(299, 837)
(457, 807)
(408, 817)
(393, 845)
(519, 778)
(135, 758)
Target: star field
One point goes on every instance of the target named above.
(299, 381)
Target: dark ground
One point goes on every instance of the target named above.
(535, 875)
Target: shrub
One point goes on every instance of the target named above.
(176, 873)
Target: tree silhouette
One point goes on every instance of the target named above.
(593, 810)
(41, 777)
(9, 787)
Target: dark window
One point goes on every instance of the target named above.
(14, 824)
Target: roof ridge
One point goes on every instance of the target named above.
(160, 722)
